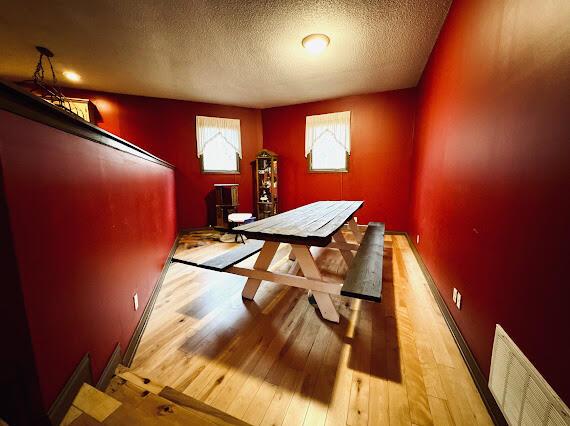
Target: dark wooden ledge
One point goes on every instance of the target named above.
(17, 100)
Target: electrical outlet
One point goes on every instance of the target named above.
(418, 239)
(136, 301)
(454, 294)
(458, 302)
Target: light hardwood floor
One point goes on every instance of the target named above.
(274, 361)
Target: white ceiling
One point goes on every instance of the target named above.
(234, 52)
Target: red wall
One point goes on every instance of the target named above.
(380, 163)
(381, 155)
(91, 226)
(492, 186)
(167, 129)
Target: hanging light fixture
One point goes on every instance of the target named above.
(50, 91)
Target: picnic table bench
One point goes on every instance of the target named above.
(318, 224)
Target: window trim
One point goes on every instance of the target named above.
(311, 170)
(221, 172)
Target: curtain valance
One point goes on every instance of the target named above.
(336, 124)
(208, 128)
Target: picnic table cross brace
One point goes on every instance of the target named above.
(304, 262)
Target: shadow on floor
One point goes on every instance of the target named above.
(276, 338)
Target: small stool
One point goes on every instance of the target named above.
(236, 219)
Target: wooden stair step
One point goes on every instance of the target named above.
(133, 406)
(150, 408)
(132, 388)
(133, 400)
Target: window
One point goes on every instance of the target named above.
(218, 144)
(327, 142)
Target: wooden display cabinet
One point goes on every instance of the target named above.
(266, 184)
(226, 202)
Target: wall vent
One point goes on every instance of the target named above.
(522, 394)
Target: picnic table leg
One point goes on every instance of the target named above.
(310, 270)
(291, 254)
(355, 231)
(262, 263)
(346, 254)
(294, 269)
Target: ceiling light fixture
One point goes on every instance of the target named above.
(316, 43)
(40, 86)
(72, 76)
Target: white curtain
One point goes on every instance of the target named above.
(336, 124)
(208, 128)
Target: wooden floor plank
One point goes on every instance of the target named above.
(275, 361)
(378, 404)
(321, 396)
(339, 400)
(399, 407)
(417, 395)
(305, 386)
(287, 372)
(240, 404)
(360, 357)
(211, 370)
(440, 412)
(207, 384)
(239, 371)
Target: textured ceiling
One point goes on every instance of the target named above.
(245, 53)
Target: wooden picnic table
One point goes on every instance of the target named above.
(318, 224)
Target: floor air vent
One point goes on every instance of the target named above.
(523, 395)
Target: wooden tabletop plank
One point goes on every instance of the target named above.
(294, 219)
(307, 222)
(323, 217)
(312, 224)
(340, 219)
(309, 217)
